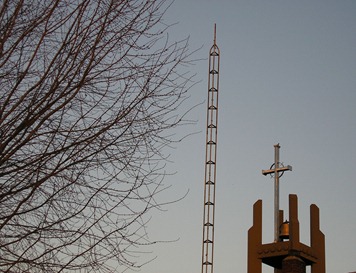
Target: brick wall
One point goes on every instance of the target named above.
(293, 264)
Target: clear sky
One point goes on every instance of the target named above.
(288, 76)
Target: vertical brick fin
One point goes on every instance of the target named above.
(254, 264)
(317, 241)
(293, 221)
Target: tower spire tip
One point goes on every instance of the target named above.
(214, 34)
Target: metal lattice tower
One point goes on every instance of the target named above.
(210, 159)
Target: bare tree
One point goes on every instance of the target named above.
(88, 96)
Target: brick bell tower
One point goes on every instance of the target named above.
(286, 254)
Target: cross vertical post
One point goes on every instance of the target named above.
(276, 192)
(277, 169)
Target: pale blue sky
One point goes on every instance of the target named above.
(288, 76)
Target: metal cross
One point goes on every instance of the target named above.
(277, 169)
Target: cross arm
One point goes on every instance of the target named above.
(281, 169)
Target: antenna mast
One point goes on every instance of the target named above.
(210, 159)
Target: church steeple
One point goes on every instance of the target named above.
(286, 254)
